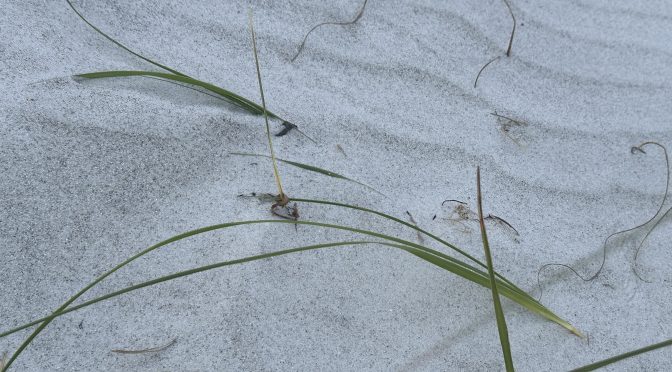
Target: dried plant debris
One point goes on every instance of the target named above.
(145, 351)
(3, 361)
(513, 30)
(359, 15)
(483, 68)
(508, 49)
(501, 221)
(640, 149)
(288, 127)
(507, 125)
(286, 211)
(461, 214)
(658, 217)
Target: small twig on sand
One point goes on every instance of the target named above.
(508, 49)
(513, 31)
(483, 68)
(501, 220)
(353, 21)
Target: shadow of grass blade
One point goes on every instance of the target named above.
(235, 99)
(606, 362)
(122, 46)
(310, 168)
(432, 256)
(499, 312)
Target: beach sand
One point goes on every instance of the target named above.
(95, 171)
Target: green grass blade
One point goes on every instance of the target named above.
(282, 198)
(499, 312)
(414, 227)
(235, 99)
(436, 257)
(606, 362)
(122, 45)
(420, 253)
(310, 168)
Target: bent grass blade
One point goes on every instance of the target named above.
(311, 168)
(234, 98)
(451, 264)
(499, 312)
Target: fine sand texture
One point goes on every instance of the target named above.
(93, 172)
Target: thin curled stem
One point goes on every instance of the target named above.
(633, 150)
(353, 21)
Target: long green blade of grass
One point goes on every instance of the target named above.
(606, 362)
(412, 226)
(446, 262)
(235, 99)
(432, 256)
(499, 312)
(175, 75)
(311, 168)
(522, 294)
(122, 46)
(282, 198)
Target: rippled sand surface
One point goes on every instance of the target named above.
(93, 172)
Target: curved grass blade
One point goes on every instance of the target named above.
(235, 99)
(520, 293)
(499, 312)
(122, 46)
(438, 258)
(414, 227)
(312, 169)
(606, 362)
(427, 254)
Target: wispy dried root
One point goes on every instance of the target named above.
(461, 214)
(513, 30)
(353, 21)
(508, 49)
(483, 68)
(634, 150)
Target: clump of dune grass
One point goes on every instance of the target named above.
(458, 267)
(468, 268)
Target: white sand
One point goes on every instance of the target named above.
(94, 172)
